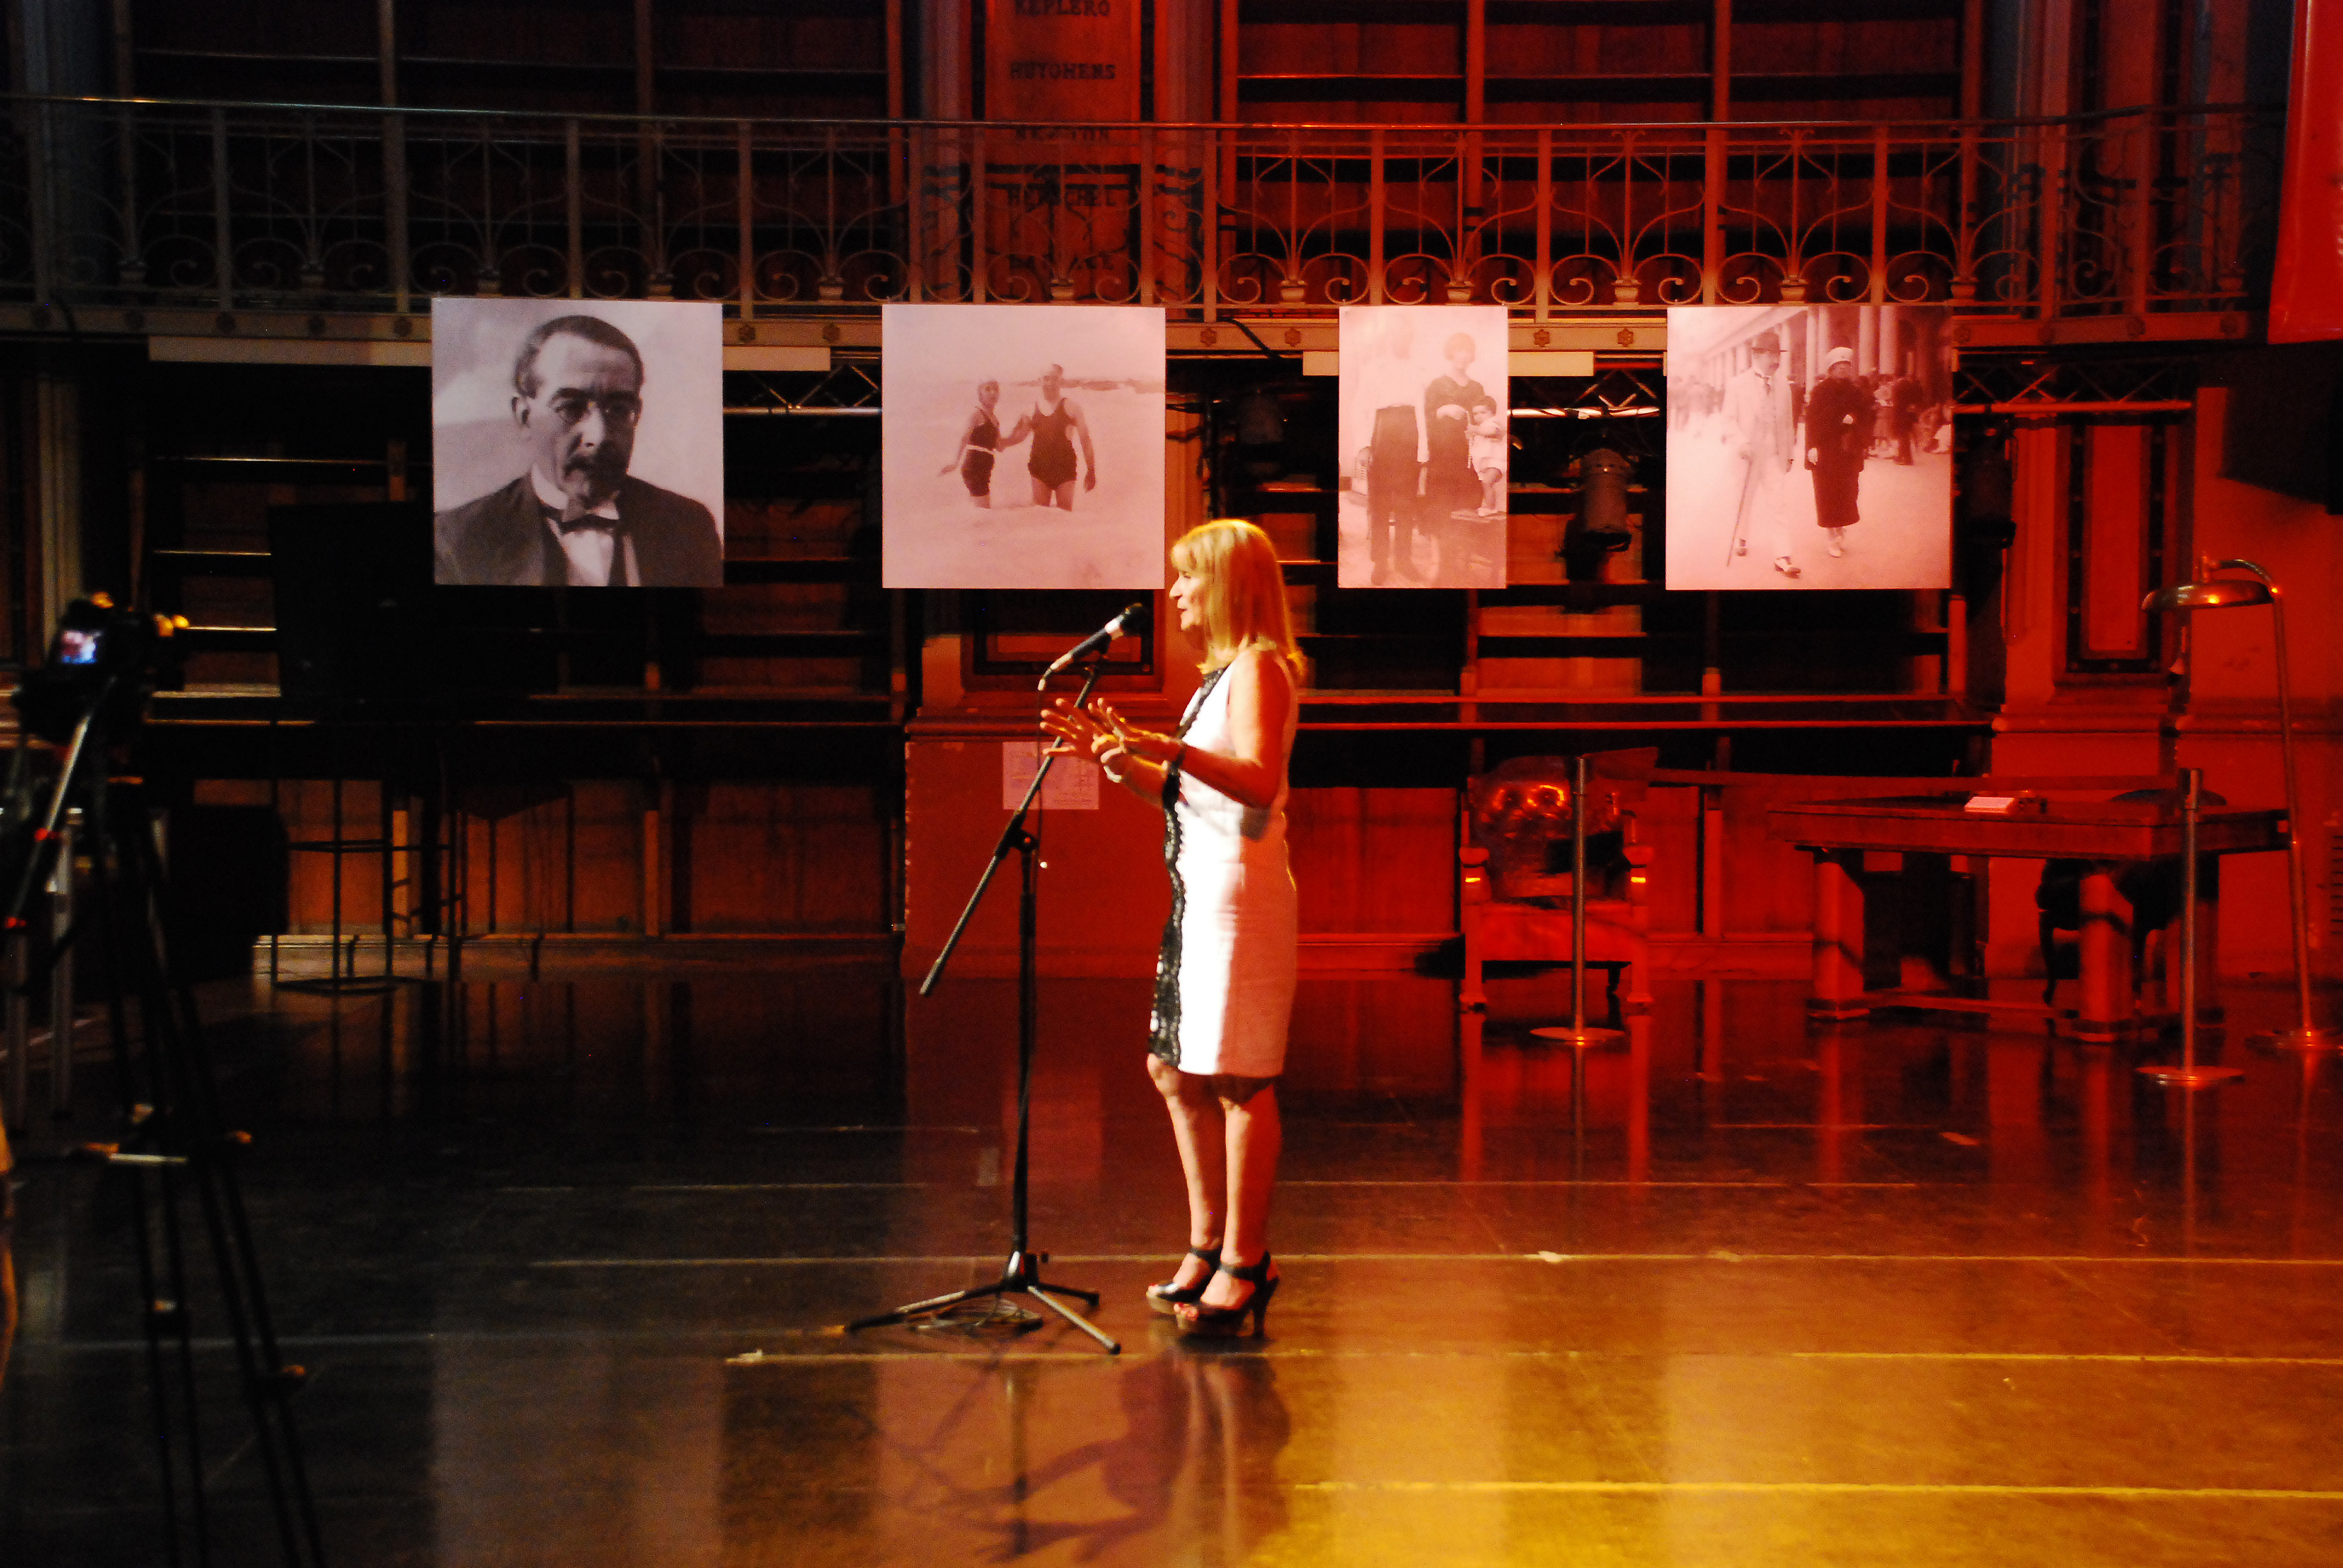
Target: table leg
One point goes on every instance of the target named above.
(1837, 990)
(2104, 1008)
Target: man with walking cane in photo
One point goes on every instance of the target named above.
(1759, 420)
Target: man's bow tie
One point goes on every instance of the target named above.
(573, 525)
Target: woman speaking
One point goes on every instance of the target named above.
(1224, 982)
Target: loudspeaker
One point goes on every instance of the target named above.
(353, 603)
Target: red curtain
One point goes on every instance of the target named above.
(2307, 289)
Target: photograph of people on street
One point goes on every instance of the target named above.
(1422, 445)
(1023, 446)
(577, 443)
(1809, 447)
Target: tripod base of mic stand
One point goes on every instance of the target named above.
(1020, 1276)
(1581, 1036)
(2303, 1039)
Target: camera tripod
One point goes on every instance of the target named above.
(175, 1146)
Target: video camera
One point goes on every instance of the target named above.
(104, 663)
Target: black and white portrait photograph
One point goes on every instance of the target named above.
(1023, 446)
(577, 443)
(1425, 446)
(1809, 447)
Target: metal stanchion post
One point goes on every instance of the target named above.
(2189, 1074)
(20, 1032)
(61, 972)
(1579, 1033)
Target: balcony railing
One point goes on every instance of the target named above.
(331, 208)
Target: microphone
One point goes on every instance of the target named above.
(1133, 619)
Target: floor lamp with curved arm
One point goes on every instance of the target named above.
(2232, 593)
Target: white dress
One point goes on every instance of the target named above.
(1225, 981)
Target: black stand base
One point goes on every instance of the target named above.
(1019, 1276)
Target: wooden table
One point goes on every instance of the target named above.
(1839, 833)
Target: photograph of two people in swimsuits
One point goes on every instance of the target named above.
(1023, 446)
(1055, 423)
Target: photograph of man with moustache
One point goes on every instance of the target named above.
(577, 516)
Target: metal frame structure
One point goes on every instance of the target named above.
(143, 204)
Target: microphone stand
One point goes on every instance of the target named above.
(1021, 1274)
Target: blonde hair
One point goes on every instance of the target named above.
(1242, 599)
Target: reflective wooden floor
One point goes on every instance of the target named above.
(1737, 1292)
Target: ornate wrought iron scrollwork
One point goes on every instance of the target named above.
(318, 209)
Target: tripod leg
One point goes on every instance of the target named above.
(175, 1312)
(904, 1314)
(1042, 1294)
(153, 1324)
(268, 1382)
(189, 1126)
(1089, 1298)
(161, 1261)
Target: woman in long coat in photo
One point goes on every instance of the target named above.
(1838, 432)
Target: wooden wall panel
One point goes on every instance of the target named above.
(308, 809)
(788, 37)
(812, 61)
(1371, 49)
(460, 53)
(2116, 523)
(231, 514)
(1769, 887)
(780, 672)
(1374, 860)
(291, 27)
(763, 530)
(1762, 48)
(776, 607)
(1669, 821)
(772, 857)
(228, 602)
(1103, 894)
(197, 512)
(520, 839)
(606, 847)
(1050, 63)
(754, 856)
(587, 34)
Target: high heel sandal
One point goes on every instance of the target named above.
(1169, 1295)
(1228, 1323)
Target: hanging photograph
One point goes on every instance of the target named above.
(1810, 447)
(577, 443)
(1023, 446)
(1424, 447)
